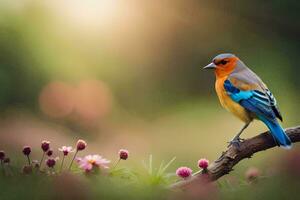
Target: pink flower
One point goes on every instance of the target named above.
(203, 163)
(49, 152)
(66, 150)
(184, 172)
(123, 153)
(90, 161)
(50, 162)
(81, 144)
(26, 150)
(45, 145)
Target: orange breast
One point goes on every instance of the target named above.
(228, 103)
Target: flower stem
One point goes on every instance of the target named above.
(2, 166)
(42, 160)
(28, 158)
(197, 172)
(73, 160)
(62, 163)
(2, 163)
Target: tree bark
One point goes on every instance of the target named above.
(233, 155)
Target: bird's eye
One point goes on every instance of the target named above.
(224, 62)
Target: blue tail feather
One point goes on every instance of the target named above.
(278, 133)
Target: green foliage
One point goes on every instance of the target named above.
(157, 176)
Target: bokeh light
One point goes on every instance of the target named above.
(57, 99)
(93, 102)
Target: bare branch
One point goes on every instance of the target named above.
(234, 155)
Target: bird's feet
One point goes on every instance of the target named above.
(235, 142)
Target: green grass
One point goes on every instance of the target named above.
(148, 182)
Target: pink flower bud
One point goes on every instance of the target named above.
(66, 150)
(203, 163)
(26, 150)
(45, 145)
(49, 152)
(51, 162)
(184, 172)
(123, 153)
(81, 145)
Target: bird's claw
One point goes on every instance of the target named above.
(235, 142)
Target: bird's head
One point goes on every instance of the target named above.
(223, 64)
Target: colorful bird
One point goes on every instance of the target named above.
(243, 93)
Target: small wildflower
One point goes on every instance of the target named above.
(45, 145)
(6, 160)
(203, 163)
(50, 162)
(66, 150)
(91, 161)
(184, 172)
(49, 152)
(252, 174)
(2, 155)
(81, 145)
(123, 153)
(26, 150)
(27, 169)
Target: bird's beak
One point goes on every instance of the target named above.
(210, 66)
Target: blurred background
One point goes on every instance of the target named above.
(128, 74)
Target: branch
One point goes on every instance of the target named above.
(233, 155)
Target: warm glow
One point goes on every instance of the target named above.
(89, 12)
(86, 103)
(56, 99)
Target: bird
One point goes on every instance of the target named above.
(245, 95)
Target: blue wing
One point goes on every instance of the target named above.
(262, 105)
(253, 100)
